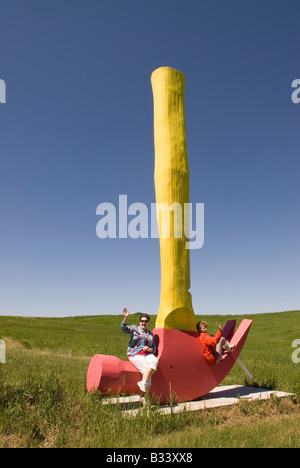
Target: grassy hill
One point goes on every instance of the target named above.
(44, 403)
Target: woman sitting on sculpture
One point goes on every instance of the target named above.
(141, 348)
(212, 346)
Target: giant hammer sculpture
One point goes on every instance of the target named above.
(183, 374)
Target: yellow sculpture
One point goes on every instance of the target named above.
(171, 177)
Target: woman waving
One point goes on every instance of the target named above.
(141, 348)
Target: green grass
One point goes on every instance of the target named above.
(44, 402)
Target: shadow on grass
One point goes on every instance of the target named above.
(265, 384)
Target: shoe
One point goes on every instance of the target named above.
(230, 348)
(142, 386)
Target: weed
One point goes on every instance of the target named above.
(44, 402)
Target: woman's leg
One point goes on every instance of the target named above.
(147, 376)
(146, 365)
(140, 363)
(152, 364)
(223, 344)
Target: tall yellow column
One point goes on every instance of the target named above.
(171, 177)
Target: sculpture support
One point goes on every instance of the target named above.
(171, 176)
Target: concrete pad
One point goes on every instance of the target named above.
(217, 398)
(123, 400)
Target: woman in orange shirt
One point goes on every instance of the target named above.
(213, 346)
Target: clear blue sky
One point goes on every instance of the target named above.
(77, 130)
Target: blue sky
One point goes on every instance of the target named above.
(77, 131)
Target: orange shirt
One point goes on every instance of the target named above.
(209, 344)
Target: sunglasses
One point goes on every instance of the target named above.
(143, 321)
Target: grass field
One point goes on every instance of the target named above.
(44, 402)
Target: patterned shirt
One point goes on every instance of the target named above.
(138, 339)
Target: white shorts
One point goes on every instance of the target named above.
(143, 362)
